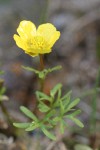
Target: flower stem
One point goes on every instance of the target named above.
(41, 69)
(41, 62)
(41, 80)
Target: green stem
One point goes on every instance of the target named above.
(41, 69)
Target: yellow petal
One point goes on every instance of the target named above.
(26, 29)
(54, 38)
(36, 42)
(20, 43)
(46, 30)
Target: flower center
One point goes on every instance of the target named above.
(37, 42)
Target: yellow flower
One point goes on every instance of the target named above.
(35, 42)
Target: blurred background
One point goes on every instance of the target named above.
(77, 50)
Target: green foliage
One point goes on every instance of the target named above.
(28, 113)
(55, 108)
(42, 74)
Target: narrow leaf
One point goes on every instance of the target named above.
(61, 107)
(75, 113)
(50, 114)
(66, 96)
(47, 133)
(30, 69)
(56, 119)
(21, 125)
(43, 107)
(62, 126)
(41, 96)
(28, 113)
(55, 89)
(32, 127)
(77, 121)
(54, 68)
(72, 104)
(66, 99)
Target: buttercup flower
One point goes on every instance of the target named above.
(35, 42)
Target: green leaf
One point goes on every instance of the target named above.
(47, 133)
(43, 107)
(55, 89)
(72, 104)
(51, 122)
(75, 113)
(82, 147)
(77, 121)
(21, 125)
(61, 107)
(42, 96)
(56, 119)
(32, 127)
(62, 126)
(30, 69)
(66, 96)
(54, 68)
(28, 113)
(66, 99)
(59, 94)
(50, 114)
